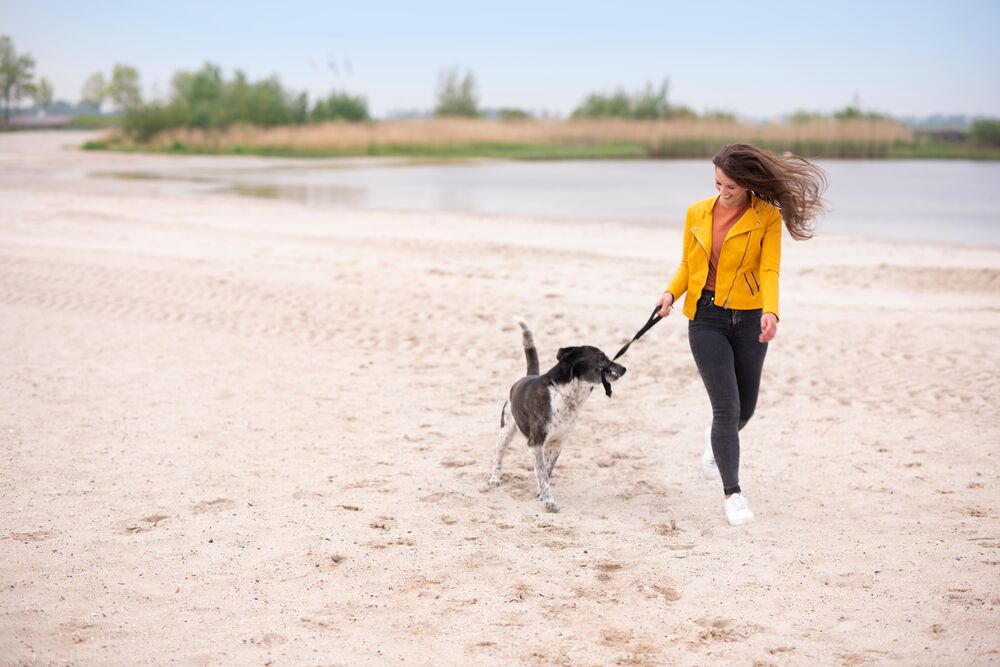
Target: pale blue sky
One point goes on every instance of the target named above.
(757, 59)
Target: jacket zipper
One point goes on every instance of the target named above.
(755, 281)
(748, 283)
(725, 304)
(701, 246)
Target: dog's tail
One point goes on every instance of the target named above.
(530, 353)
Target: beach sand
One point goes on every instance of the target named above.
(248, 431)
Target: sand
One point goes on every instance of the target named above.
(246, 431)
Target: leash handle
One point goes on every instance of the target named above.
(653, 319)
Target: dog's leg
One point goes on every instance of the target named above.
(506, 434)
(555, 448)
(543, 479)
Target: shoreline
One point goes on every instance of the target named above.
(551, 152)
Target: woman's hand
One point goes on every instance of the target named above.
(768, 327)
(664, 303)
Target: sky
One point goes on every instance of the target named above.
(757, 59)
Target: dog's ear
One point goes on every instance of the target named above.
(565, 352)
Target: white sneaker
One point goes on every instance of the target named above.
(737, 510)
(708, 467)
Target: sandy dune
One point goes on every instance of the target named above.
(243, 431)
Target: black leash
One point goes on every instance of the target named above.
(653, 319)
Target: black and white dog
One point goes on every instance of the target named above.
(544, 408)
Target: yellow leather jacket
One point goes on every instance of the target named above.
(747, 275)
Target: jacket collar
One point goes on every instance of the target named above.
(750, 221)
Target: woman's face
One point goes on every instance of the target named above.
(730, 194)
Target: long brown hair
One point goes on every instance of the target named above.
(787, 181)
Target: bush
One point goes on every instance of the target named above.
(853, 112)
(144, 123)
(457, 96)
(204, 99)
(341, 106)
(986, 132)
(513, 114)
(650, 104)
(803, 116)
(616, 105)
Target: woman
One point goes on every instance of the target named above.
(729, 269)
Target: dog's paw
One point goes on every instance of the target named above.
(494, 480)
(550, 506)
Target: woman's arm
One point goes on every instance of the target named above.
(770, 264)
(678, 284)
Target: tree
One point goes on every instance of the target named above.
(457, 96)
(124, 87)
(201, 92)
(95, 91)
(16, 73)
(341, 106)
(604, 106)
(43, 94)
(649, 104)
(986, 131)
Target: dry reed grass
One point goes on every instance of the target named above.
(348, 137)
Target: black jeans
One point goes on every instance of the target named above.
(730, 357)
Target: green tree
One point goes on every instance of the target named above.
(596, 105)
(200, 95)
(853, 111)
(124, 88)
(720, 116)
(16, 73)
(513, 114)
(269, 103)
(95, 91)
(341, 106)
(803, 116)
(648, 104)
(43, 94)
(651, 103)
(986, 131)
(205, 99)
(300, 108)
(457, 95)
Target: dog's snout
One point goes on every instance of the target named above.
(615, 370)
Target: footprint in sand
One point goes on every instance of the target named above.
(145, 524)
(330, 563)
(269, 639)
(216, 505)
(722, 630)
(669, 592)
(36, 536)
(442, 495)
(605, 569)
(667, 529)
(457, 463)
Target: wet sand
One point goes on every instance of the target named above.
(240, 431)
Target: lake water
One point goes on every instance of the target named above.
(920, 199)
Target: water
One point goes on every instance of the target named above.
(918, 199)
